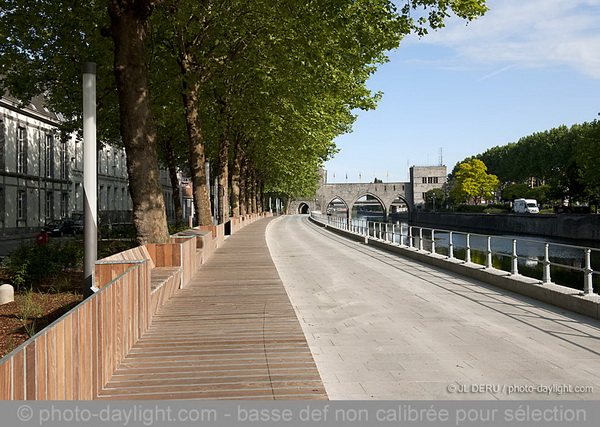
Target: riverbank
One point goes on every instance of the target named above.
(575, 228)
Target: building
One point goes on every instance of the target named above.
(41, 177)
(393, 197)
(423, 179)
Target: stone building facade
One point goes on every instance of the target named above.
(41, 177)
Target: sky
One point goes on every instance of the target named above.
(526, 66)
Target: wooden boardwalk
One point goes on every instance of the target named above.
(232, 333)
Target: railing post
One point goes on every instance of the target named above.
(488, 253)
(588, 282)
(393, 233)
(468, 249)
(387, 233)
(432, 241)
(514, 268)
(546, 275)
(410, 236)
(450, 246)
(401, 236)
(420, 238)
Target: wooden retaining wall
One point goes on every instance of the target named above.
(75, 356)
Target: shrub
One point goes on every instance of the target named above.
(29, 265)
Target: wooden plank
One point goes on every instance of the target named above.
(30, 372)
(68, 335)
(18, 372)
(76, 354)
(51, 382)
(96, 359)
(60, 360)
(6, 380)
(41, 372)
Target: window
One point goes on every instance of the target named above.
(49, 210)
(424, 180)
(49, 155)
(2, 148)
(78, 198)
(64, 205)
(21, 202)
(101, 203)
(21, 151)
(64, 166)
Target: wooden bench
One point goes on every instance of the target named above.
(204, 244)
(165, 269)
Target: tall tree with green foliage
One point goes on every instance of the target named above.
(42, 47)
(473, 184)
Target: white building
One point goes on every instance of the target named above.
(41, 178)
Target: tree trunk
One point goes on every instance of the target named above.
(235, 179)
(244, 188)
(170, 159)
(197, 155)
(261, 197)
(224, 177)
(128, 31)
(253, 192)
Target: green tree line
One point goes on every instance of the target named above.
(259, 87)
(564, 160)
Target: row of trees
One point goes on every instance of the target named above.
(564, 160)
(259, 87)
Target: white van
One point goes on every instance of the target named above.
(525, 206)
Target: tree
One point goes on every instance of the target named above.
(515, 191)
(435, 199)
(588, 158)
(473, 183)
(128, 30)
(42, 47)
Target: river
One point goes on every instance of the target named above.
(530, 251)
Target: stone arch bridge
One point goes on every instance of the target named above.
(422, 179)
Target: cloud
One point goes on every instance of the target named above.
(528, 33)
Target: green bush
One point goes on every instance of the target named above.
(29, 265)
(110, 247)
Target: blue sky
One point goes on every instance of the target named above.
(525, 67)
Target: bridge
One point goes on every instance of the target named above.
(391, 197)
(283, 308)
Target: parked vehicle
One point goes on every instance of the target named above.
(60, 227)
(526, 206)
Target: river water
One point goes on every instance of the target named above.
(530, 251)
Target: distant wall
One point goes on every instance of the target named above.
(563, 226)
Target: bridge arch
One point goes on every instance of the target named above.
(303, 208)
(368, 194)
(399, 204)
(331, 207)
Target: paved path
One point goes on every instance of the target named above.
(384, 327)
(230, 334)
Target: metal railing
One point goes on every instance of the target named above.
(420, 237)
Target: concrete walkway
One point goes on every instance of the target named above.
(383, 327)
(230, 334)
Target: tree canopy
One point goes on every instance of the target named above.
(260, 88)
(473, 183)
(562, 161)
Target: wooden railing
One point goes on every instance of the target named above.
(75, 356)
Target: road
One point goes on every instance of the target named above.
(384, 327)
